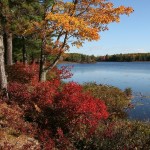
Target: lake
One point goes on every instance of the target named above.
(135, 75)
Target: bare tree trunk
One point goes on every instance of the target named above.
(43, 76)
(9, 49)
(42, 73)
(24, 52)
(3, 78)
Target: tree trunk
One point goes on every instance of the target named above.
(43, 76)
(5, 47)
(9, 49)
(24, 52)
(42, 73)
(3, 78)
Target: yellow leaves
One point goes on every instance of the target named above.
(78, 44)
(67, 22)
(129, 10)
(89, 34)
(82, 21)
(54, 48)
(107, 13)
(73, 24)
(123, 10)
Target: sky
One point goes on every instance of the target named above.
(131, 35)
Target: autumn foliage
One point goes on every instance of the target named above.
(76, 21)
(62, 111)
(58, 115)
(80, 19)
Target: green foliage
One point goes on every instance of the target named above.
(114, 98)
(125, 57)
(121, 134)
(80, 58)
(17, 16)
(32, 47)
(128, 92)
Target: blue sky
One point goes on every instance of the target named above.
(131, 35)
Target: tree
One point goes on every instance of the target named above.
(3, 78)
(34, 10)
(6, 17)
(15, 18)
(79, 20)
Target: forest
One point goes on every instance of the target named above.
(79, 58)
(40, 111)
(82, 58)
(126, 57)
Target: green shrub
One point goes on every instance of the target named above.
(115, 99)
(121, 135)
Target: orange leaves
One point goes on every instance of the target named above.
(123, 10)
(67, 22)
(107, 13)
(73, 25)
(82, 20)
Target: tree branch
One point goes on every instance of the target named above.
(60, 53)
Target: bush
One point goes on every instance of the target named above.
(68, 115)
(23, 74)
(56, 107)
(116, 100)
(121, 134)
(128, 92)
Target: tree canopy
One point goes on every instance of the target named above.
(56, 23)
(78, 21)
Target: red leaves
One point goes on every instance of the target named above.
(65, 106)
(23, 74)
(44, 93)
(81, 106)
(63, 73)
(19, 92)
(29, 74)
(59, 109)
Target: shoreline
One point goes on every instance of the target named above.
(71, 62)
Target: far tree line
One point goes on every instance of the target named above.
(126, 57)
(82, 58)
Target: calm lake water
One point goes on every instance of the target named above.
(135, 75)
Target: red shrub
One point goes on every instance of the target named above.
(60, 109)
(63, 73)
(21, 73)
(80, 107)
(19, 92)
(44, 93)
(29, 74)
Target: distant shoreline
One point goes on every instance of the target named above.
(70, 62)
(67, 62)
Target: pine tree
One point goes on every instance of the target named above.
(6, 17)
